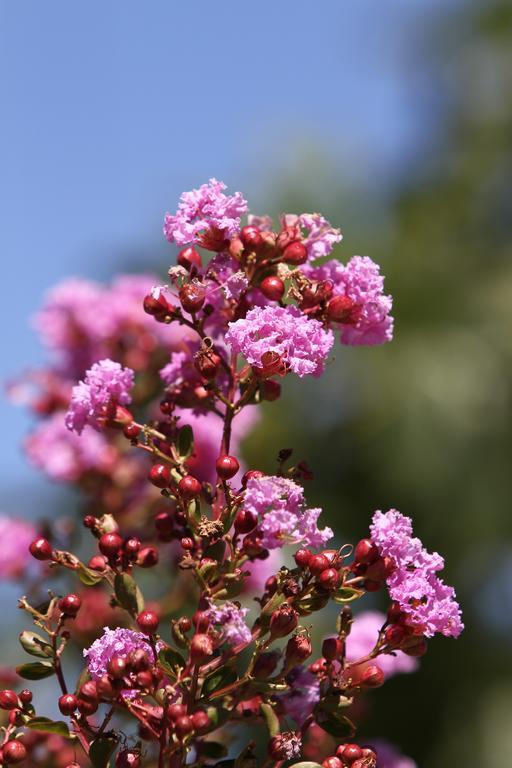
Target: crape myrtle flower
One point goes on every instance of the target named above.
(202, 209)
(231, 620)
(114, 642)
(363, 637)
(65, 456)
(321, 236)
(389, 756)
(301, 343)
(426, 600)
(15, 538)
(304, 694)
(359, 304)
(106, 384)
(283, 517)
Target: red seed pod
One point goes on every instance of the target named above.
(283, 621)
(145, 679)
(207, 364)
(13, 752)
(227, 466)
(251, 237)
(132, 546)
(365, 552)
(187, 543)
(332, 648)
(245, 521)
(329, 579)
(138, 660)
(86, 707)
(266, 665)
(192, 296)
(70, 605)
(201, 620)
(318, 563)
(271, 585)
(251, 474)
(340, 309)
(157, 306)
(270, 390)
(147, 557)
(110, 544)
(128, 758)
(332, 762)
(97, 563)
(68, 703)
(183, 726)
(295, 253)
(394, 634)
(25, 696)
(41, 549)
(200, 720)
(351, 752)
(89, 691)
(189, 257)
(116, 667)
(175, 711)
(160, 475)
(90, 522)
(131, 431)
(414, 646)
(302, 557)
(372, 677)
(272, 288)
(148, 622)
(298, 649)
(105, 689)
(189, 487)
(185, 624)
(8, 699)
(201, 648)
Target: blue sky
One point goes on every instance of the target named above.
(111, 109)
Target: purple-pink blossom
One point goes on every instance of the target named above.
(363, 637)
(202, 209)
(114, 642)
(106, 385)
(302, 344)
(231, 620)
(65, 456)
(15, 538)
(389, 756)
(302, 697)
(320, 236)
(368, 320)
(282, 513)
(428, 602)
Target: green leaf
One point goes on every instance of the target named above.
(347, 594)
(220, 679)
(101, 750)
(128, 594)
(339, 727)
(49, 726)
(271, 719)
(87, 576)
(213, 749)
(170, 661)
(185, 441)
(35, 644)
(36, 670)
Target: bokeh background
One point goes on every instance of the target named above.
(393, 118)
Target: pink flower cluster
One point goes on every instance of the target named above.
(428, 602)
(202, 209)
(302, 344)
(283, 517)
(113, 642)
(231, 619)
(106, 385)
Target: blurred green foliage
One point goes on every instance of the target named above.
(424, 424)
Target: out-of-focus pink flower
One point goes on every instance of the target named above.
(65, 456)
(261, 570)
(107, 384)
(303, 695)
(363, 638)
(388, 756)
(283, 517)
(15, 538)
(204, 208)
(428, 602)
(301, 343)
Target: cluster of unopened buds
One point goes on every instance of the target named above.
(169, 382)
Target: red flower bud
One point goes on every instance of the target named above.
(189, 257)
(13, 752)
(372, 677)
(318, 563)
(175, 711)
(340, 309)
(350, 752)
(332, 762)
(70, 605)
(200, 720)
(68, 703)
(295, 253)
(266, 665)
(245, 521)
(25, 696)
(183, 726)
(414, 646)
(201, 648)
(41, 549)
(302, 557)
(192, 296)
(89, 690)
(8, 699)
(110, 544)
(283, 621)
(366, 552)
(131, 431)
(189, 487)
(227, 466)
(251, 237)
(329, 579)
(207, 364)
(148, 622)
(159, 475)
(332, 648)
(298, 649)
(251, 474)
(272, 288)
(116, 667)
(147, 557)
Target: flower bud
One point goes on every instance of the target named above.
(227, 466)
(189, 487)
(332, 762)
(245, 521)
(68, 703)
(332, 648)
(159, 475)
(372, 677)
(89, 690)
(295, 253)
(200, 720)
(272, 288)
(266, 665)
(70, 605)
(329, 579)
(283, 621)
(116, 667)
(201, 648)
(110, 544)
(183, 726)
(298, 649)
(318, 563)
(148, 622)
(414, 646)
(41, 549)
(302, 557)
(8, 699)
(128, 758)
(189, 257)
(192, 296)
(147, 557)
(13, 752)
(340, 309)
(366, 552)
